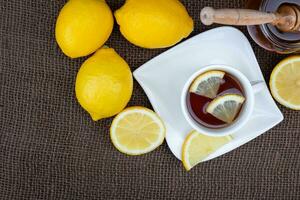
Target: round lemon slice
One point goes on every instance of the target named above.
(137, 130)
(207, 84)
(197, 147)
(226, 107)
(285, 82)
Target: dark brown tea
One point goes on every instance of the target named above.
(197, 104)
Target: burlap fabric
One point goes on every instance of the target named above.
(51, 149)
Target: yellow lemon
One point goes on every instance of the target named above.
(285, 82)
(137, 130)
(104, 84)
(208, 84)
(197, 147)
(154, 23)
(83, 26)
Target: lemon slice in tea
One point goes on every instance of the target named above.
(137, 130)
(226, 107)
(285, 82)
(207, 84)
(197, 147)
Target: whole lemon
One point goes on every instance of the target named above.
(104, 84)
(154, 23)
(83, 26)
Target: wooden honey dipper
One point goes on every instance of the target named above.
(286, 19)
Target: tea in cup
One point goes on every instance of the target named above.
(218, 100)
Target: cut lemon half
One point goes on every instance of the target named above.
(285, 82)
(226, 107)
(207, 84)
(137, 130)
(197, 147)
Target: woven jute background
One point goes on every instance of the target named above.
(51, 149)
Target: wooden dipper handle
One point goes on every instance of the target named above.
(236, 16)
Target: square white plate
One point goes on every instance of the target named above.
(163, 78)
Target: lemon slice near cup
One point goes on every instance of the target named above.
(285, 82)
(137, 130)
(197, 147)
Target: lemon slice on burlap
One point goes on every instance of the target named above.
(226, 107)
(285, 82)
(197, 147)
(137, 130)
(207, 84)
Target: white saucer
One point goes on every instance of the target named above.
(164, 76)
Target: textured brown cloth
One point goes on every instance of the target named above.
(51, 149)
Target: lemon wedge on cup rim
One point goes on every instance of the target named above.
(226, 107)
(197, 147)
(285, 82)
(207, 84)
(137, 130)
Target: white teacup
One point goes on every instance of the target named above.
(249, 90)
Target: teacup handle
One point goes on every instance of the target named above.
(257, 86)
